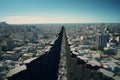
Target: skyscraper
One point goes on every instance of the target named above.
(101, 40)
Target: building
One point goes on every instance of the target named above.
(0, 50)
(61, 63)
(3, 23)
(10, 44)
(118, 52)
(101, 40)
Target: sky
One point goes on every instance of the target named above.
(59, 11)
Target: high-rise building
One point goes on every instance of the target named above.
(101, 40)
(118, 52)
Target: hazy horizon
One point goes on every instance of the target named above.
(59, 11)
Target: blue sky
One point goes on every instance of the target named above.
(60, 11)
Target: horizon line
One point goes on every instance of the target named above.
(62, 23)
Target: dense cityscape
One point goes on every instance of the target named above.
(59, 39)
(97, 44)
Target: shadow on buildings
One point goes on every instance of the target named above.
(43, 68)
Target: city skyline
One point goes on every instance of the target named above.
(59, 11)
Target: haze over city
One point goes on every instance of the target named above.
(59, 39)
(59, 11)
